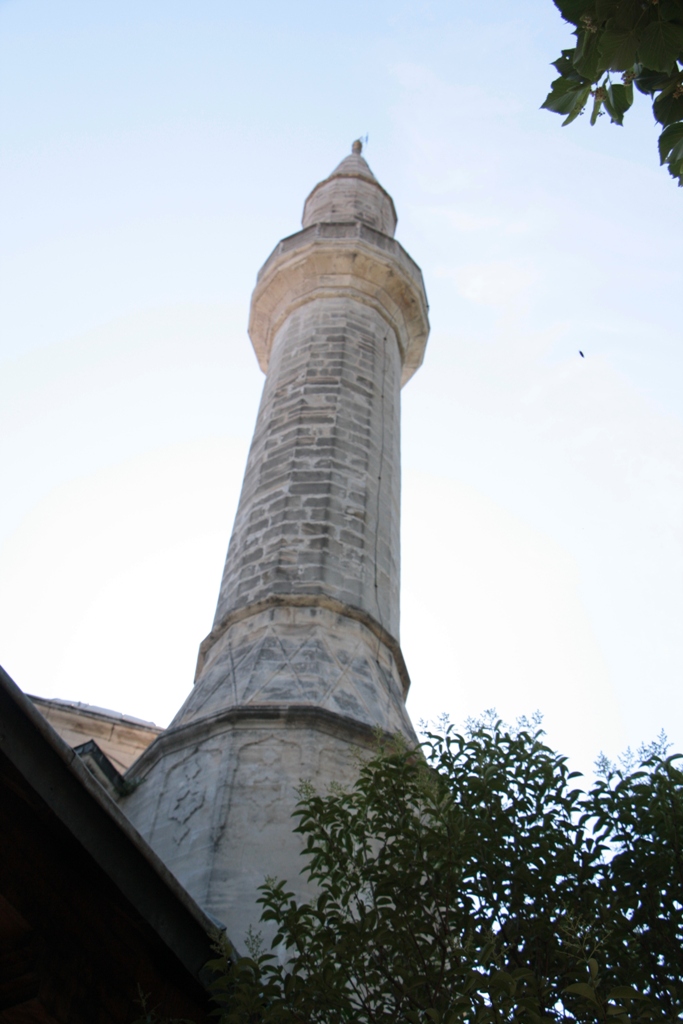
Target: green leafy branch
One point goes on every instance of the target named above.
(639, 42)
(474, 883)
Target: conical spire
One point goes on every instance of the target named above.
(354, 165)
(351, 193)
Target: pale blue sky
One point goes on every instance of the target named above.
(153, 155)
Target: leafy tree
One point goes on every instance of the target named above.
(619, 44)
(473, 882)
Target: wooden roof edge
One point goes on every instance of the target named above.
(59, 777)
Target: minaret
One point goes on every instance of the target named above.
(303, 662)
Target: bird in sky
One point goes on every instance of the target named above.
(581, 354)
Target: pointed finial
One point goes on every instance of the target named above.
(357, 147)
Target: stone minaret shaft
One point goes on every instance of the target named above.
(303, 661)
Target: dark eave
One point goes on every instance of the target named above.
(65, 799)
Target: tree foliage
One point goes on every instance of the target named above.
(475, 882)
(619, 44)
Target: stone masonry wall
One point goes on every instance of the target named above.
(319, 510)
(343, 199)
(313, 656)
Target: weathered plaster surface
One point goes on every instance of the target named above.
(220, 807)
(120, 737)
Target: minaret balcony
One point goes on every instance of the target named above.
(334, 260)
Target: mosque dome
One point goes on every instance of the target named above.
(351, 193)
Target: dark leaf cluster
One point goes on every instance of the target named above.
(473, 881)
(621, 44)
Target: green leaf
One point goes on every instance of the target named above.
(597, 104)
(649, 82)
(659, 45)
(605, 9)
(670, 10)
(581, 988)
(501, 979)
(618, 48)
(573, 10)
(614, 114)
(625, 992)
(565, 65)
(620, 98)
(669, 139)
(675, 162)
(593, 967)
(628, 15)
(587, 56)
(668, 107)
(581, 101)
(564, 96)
